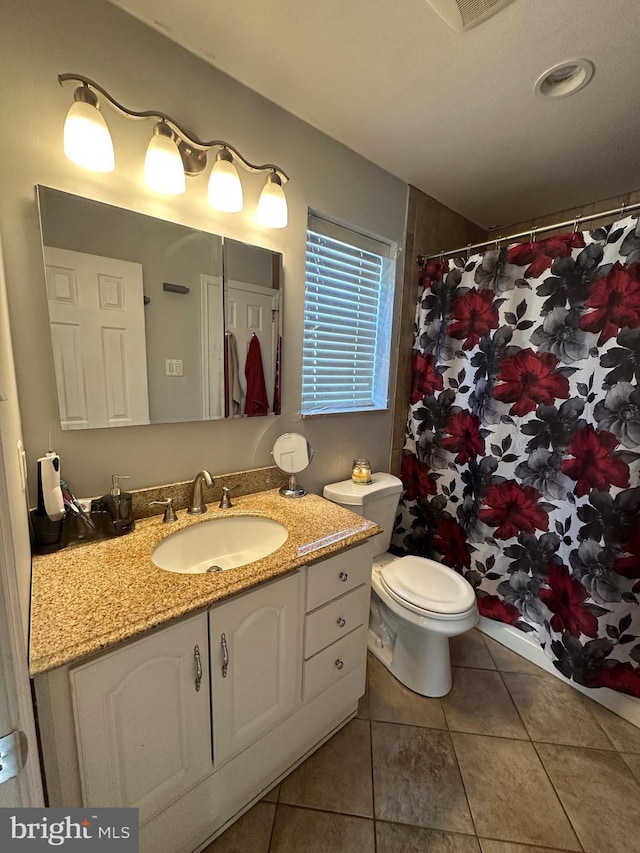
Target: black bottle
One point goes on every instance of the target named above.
(119, 505)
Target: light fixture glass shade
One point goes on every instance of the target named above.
(225, 188)
(87, 140)
(272, 204)
(163, 169)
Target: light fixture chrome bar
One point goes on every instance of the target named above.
(187, 137)
(530, 232)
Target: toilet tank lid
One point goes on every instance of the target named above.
(354, 494)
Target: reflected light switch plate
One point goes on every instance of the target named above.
(173, 366)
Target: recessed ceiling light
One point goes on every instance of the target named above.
(564, 79)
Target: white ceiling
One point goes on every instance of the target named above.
(452, 113)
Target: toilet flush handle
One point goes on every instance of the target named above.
(343, 576)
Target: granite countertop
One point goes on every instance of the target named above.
(91, 597)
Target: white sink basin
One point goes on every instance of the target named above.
(220, 543)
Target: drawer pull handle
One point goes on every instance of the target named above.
(341, 622)
(339, 663)
(225, 655)
(196, 655)
(343, 576)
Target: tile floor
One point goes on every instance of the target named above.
(511, 761)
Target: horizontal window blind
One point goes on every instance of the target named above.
(341, 324)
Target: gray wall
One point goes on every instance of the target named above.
(144, 70)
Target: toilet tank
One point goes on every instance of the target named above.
(377, 501)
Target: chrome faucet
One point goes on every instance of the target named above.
(197, 506)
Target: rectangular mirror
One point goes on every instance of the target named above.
(155, 322)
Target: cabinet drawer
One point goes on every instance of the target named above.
(336, 619)
(346, 656)
(336, 575)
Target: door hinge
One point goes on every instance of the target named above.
(13, 755)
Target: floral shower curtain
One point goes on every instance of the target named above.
(522, 452)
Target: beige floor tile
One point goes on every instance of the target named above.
(633, 763)
(480, 703)
(337, 777)
(622, 734)
(272, 795)
(470, 650)
(553, 712)
(403, 838)
(508, 661)
(509, 847)
(600, 795)
(305, 831)
(510, 794)
(392, 702)
(416, 778)
(250, 834)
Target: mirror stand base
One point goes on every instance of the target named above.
(292, 489)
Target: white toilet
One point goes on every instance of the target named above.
(416, 604)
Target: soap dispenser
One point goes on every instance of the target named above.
(119, 506)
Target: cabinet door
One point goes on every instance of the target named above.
(142, 724)
(255, 664)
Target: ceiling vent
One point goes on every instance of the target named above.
(464, 14)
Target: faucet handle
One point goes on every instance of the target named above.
(169, 511)
(225, 500)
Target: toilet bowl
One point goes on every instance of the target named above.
(416, 604)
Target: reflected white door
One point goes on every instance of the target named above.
(212, 347)
(253, 310)
(96, 312)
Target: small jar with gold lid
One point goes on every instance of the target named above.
(361, 472)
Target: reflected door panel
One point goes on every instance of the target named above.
(212, 347)
(253, 310)
(96, 309)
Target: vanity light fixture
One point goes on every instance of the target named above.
(87, 140)
(163, 169)
(225, 189)
(172, 154)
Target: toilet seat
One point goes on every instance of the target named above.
(428, 588)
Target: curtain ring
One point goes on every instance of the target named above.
(576, 222)
(533, 233)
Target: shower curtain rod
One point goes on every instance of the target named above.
(530, 232)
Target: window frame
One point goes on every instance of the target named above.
(351, 256)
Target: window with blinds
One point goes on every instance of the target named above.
(347, 320)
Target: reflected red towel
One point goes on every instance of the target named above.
(257, 402)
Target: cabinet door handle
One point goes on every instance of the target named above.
(343, 576)
(196, 654)
(341, 622)
(339, 663)
(225, 655)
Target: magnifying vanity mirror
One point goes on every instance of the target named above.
(292, 453)
(155, 322)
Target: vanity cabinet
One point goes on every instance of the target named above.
(255, 664)
(280, 669)
(336, 620)
(142, 719)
